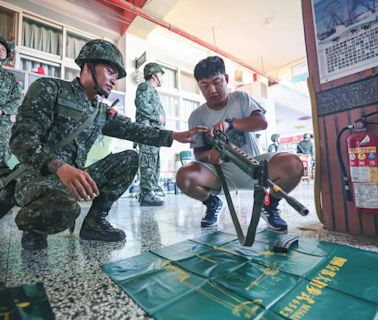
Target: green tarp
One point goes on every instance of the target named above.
(213, 277)
(25, 302)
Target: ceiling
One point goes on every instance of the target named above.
(265, 34)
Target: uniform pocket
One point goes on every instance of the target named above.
(68, 108)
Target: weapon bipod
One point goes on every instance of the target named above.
(259, 194)
(257, 170)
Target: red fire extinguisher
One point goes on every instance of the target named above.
(363, 169)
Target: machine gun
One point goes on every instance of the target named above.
(257, 170)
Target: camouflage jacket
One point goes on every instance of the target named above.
(306, 147)
(148, 106)
(10, 93)
(53, 109)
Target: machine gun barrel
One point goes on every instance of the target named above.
(252, 167)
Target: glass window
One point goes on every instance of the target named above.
(51, 70)
(169, 78)
(188, 83)
(7, 23)
(170, 105)
(74, 44)
(187, 108)
(39, 36)
(70, 73)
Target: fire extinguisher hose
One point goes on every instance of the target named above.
(315, 125)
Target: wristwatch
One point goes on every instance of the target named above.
(230, 124)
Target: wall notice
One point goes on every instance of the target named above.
(346, 36)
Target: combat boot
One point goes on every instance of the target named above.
(96, 227)
(33, 241)
(150, 200)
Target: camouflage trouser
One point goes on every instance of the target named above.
(49, 207)
(5, 133)
(149, 163)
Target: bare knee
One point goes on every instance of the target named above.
(286, 170)
(186, 178)
(195, 180)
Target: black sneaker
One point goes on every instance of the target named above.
(213, 213)
(33, 241)
(271, 215)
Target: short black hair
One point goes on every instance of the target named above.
(208, 67)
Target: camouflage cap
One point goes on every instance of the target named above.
(10, 46)
(100, 50)
(152, 68)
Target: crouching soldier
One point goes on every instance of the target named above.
(55, 180)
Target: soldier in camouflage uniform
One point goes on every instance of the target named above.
(306, 147)
(149, 112)
(10, 100)
(273, 147)
(49, 191)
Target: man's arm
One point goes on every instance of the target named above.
(122, 127)
(255, 122)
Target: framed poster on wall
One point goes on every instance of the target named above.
(346, 36)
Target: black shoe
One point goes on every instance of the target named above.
(98, 228)
(151, 200)
(33, 241)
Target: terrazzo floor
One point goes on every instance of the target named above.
(70, 267)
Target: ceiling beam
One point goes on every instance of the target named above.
(127, 16)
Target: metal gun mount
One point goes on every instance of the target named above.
(257, 170)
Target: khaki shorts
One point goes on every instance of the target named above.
(235, 177)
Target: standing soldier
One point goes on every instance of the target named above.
(54, 181)
(306, 147)
(273, 147)
(150, 112)
(10, 99)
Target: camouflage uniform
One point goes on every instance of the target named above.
(305, 146)
(10, 100)
(274, 146)
(149, 110)
(51, 111)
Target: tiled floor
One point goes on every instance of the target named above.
(70, 268)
